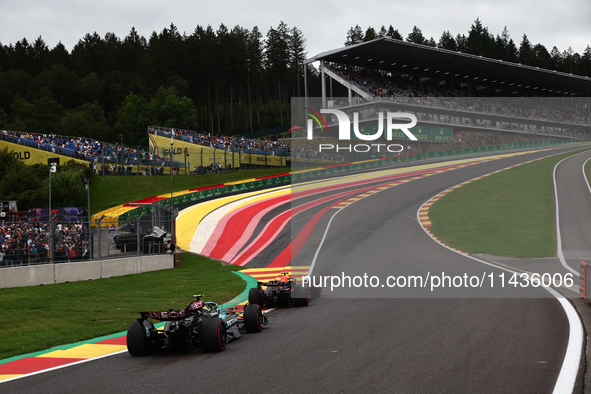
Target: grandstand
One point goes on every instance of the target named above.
(488, 77)
(208, 153)
(457, 94)
(199, 150)
(83, 150)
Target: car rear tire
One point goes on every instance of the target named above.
(254, 296)
(315, 291)
(138, 343)
(253, 318)
(301, 296)
(212, 335)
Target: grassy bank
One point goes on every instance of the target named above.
(38, 318)
(510, 213)
(110, 191)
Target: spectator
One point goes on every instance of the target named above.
(112, 232)
(18, 256)
(42, 252)
(71, 253)
(9, 257)
(33, 254)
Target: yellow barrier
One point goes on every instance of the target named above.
(192, 154)
(30, 155)
(203, 156)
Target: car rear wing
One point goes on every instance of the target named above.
(167, 315)
(276, 283)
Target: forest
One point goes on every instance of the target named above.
(224, 81)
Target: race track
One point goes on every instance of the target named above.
(368, 339)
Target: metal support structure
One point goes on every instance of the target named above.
(137, 232)
(52, 169)
(98, 224)
(153, 216)
(323, 83)
(89, 232)
(87, 186)
(305, 85)
(50, 222)
(51, 238)
(172, 192)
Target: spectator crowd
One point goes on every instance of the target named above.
(448, 93)
(117, 159)
(268, 146)
(29, 243)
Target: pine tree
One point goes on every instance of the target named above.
(585, 63)
(297, 47)
(370, 34)
(39, 54)
(511, 53)
(461, 43)
(557, 59)
(479, 41)
(416, 36)
(541, 56)
(525, 51)
(431, 42)
(447, 41)
(394, 34)
(354, 36)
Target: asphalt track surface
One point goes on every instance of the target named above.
(365, 342)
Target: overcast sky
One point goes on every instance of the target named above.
(564, 24)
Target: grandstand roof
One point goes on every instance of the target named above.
(398, 56)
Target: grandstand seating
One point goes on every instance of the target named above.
(228, 143)
(458, 96)
(97, 151)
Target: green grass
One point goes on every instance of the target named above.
(110, 191)
(510, 213)
(38, 318)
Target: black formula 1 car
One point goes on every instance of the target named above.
(283, 292)
(201, 325)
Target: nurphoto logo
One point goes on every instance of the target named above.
(394, 121)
